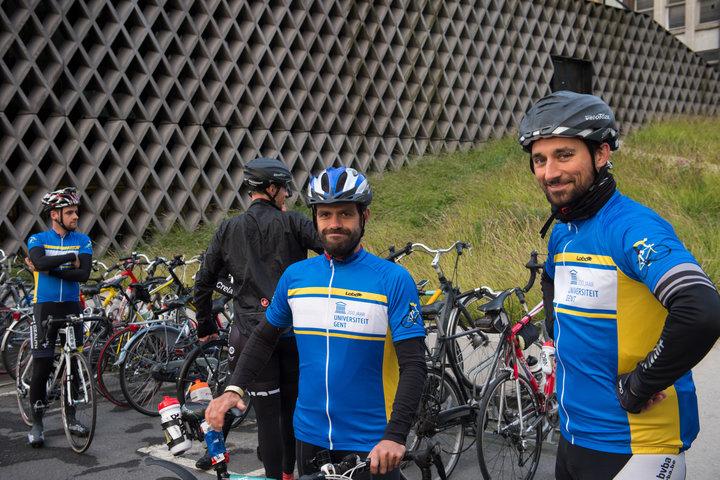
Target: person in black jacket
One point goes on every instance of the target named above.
(255, 248)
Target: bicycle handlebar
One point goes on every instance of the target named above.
(351, 464)
(535, 267)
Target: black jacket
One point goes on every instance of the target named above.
(255, 248)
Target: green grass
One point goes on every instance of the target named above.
(488, 197)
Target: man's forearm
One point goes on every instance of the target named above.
(413, 373)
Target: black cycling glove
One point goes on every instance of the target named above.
(628, 400)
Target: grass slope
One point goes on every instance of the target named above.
(488, 197)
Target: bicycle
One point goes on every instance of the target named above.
(14, 336)
(518, 410)
(70, 382)
(447, 406)
(192, 415)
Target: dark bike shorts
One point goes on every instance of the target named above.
(281, 369)
(42, 337)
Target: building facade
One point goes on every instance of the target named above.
(151, 108)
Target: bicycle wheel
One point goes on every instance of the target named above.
(107, 371)
(208, 363)
(472, 353)
(440, 394)
(13, 338)
(151, 366)
(509, 433)
(23, 376)
(78, 404)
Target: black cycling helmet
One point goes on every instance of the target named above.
(263, 172)
(341, 184)
(65, 197)
(569, 114)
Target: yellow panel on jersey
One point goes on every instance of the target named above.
(639, 324)
(391, 373)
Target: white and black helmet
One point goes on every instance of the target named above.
(341, 184)
(263, 172)
(569, 114)
(65, 197)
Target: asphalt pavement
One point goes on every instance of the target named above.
(124, 437)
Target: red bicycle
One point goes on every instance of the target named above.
(519, 407)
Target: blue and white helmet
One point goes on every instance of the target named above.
(341, 184)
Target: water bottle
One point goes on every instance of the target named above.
(173, 426)
(200, 392)
(547, 357)
(535, 368)
(145, 312)
(215, 444)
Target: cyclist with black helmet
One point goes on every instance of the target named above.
(255, 248)
(630, 309)
(60, 259)
(359, 336)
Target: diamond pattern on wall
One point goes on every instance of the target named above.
(152, 108)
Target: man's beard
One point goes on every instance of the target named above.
(341, 248)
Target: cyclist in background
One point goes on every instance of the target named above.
(633, 310)
(61, 259)
(255, 248)
(359, 334)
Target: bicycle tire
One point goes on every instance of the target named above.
(107, 374)
(151, 366)
(23, 376)
(504, 452)
(470, 355)
(78, 402)
(439, 394)
(13, 338)
(208, 362)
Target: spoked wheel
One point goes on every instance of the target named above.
(78, 404)
(208, 363)
(12, 339)
(509, 433)
(107, 371)
(151, 367)
(473, 352)
(23, 376)
(439, 395)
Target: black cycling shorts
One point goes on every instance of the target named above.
(42, 337)
(578, 463)
(281, 369)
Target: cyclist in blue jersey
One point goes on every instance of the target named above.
(359, 336)
(630, 309)
(60, 258)
(255, 248)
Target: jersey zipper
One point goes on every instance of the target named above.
(62, 248)
(327, 354)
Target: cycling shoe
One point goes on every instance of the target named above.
(78, 429)
(36, 437)
(204, 462)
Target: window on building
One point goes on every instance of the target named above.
(709, 10)
(641, 5)
(676, 14)
(712, 57)
(571, 74)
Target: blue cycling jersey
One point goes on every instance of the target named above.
(53, 289)
(346, 315)
(611, 273)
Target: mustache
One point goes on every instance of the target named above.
(344, 231)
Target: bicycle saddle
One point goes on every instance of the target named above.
(430, 311)
(496, 304)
